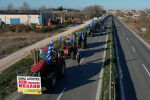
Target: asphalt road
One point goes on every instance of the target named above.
(81, 81)
(135, 63)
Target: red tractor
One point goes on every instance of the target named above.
(49, 73)
(68, 48)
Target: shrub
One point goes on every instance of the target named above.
(23, 28)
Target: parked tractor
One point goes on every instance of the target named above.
(80, 38)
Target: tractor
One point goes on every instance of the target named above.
(90, 30)
(49, 73)
(68, 48)
(80, 38)
(48, 66)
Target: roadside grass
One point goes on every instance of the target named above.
(137, 23)
(105, 84)
(8, 82)
(114, 73)
(60, 30)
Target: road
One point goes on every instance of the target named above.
(22, 53)
(81, 81)
(135, 63)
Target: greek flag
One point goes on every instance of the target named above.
(88, 29)
(49, 53)
(82, 35)
(92, 21)
(71, 39)
(60, 39)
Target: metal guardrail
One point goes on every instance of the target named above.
(118, 66)
(110, 60)
(112, 73)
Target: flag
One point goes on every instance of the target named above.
(17, 72)
(39, 73)
(92, 21)
(60, 39)
(71, 39)
(49, 53)
(82, 35)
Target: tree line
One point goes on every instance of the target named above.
(89, 11)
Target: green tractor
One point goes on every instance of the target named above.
(80, 38)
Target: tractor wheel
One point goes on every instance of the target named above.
(78, 58)
(79, 43)
(73, 55)
(62, 70)
(83, 45)
(92, 34)
(52, 82)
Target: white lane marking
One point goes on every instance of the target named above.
(127, 39)
(82, 60)
(101, 74)
(60, 95)
(146, 70)
(133, 48)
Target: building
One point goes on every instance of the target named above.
(136, 14)
(27, 18)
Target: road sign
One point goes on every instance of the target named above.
(143, 29)
(29, 85)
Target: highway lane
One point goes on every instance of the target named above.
(135, 64)
(81, 81)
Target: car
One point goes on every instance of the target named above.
(103, 31)
(105, 27)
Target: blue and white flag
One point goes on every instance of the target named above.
(91, 25)
(92, 21)
(60, 39)
(82, 35)
(71, 39)
(49, 53)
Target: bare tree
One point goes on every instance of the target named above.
(43, 8)
(94, 11)
(147, 10)
(10, 7)
(25, 6)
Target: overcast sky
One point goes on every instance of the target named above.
(79, 4)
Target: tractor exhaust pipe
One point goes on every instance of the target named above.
(35, 56)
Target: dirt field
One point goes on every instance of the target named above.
(136, 24)
(10, 42)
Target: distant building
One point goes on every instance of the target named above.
(27, 18)
(136, 14)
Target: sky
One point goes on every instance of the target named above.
(80, 4)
